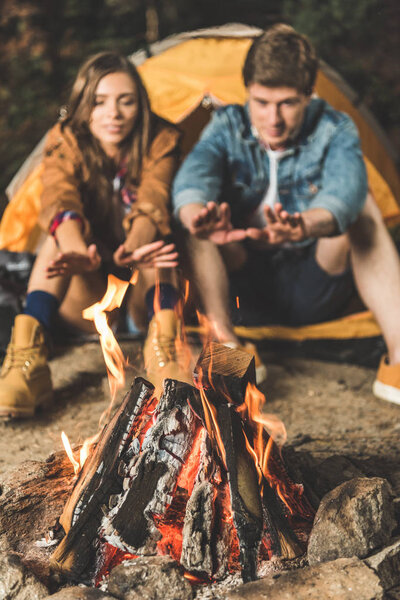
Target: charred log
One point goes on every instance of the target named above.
(153, 473)
(98, 481)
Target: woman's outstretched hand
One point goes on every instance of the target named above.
(155, 255)
(74, 263)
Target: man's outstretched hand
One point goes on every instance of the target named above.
(281, 227)
(155, 255)
(213, 222)
(74, 263)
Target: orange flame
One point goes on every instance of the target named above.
(210, 418)
(70, 454)
(186, 293)
(251, 411)
(114, 359)
(237, 302)
(113, 356)
(86, 447)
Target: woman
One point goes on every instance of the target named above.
(108, 167)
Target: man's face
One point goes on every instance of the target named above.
(277, 113)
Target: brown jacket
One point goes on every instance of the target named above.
(65, 174)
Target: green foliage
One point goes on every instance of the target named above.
(43, 44)
(344, 33)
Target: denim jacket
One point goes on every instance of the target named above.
(324, 168)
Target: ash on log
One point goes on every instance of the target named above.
(98, 481)
(178, 476)
(152, 473)
(231, 370)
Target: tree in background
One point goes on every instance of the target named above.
(361, 40)
(43, 43)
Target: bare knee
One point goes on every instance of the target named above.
(332, 254)
(363, 231)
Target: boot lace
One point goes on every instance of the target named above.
(18, 357)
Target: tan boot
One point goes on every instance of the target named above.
(25, 381)
(164, 353)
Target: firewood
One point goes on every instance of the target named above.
(228, 370)
(153, 474)
(97, 481)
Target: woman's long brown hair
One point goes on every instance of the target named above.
(79, 109)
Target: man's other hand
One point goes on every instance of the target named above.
(213, 222)
(281, 227)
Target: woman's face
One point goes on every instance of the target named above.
(115, 111)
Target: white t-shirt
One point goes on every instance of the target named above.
(271, 195)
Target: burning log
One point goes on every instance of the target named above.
(254, 514)
(180, 476)
(152, 473)
(98, 481)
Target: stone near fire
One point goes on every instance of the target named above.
(386, 564)
(78, 592)
(342, 579)
(354, 519)
(149, 578)
(17, 583)
(31, 499)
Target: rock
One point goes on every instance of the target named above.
(386, 565)
(342, 579)
(149, 578)
(31, 500)
(80, 593)
(352, 520)
(17, 583)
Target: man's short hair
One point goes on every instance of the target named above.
(281, 57)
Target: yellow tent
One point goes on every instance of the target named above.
(187, 76)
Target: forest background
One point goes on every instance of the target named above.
(44, 41)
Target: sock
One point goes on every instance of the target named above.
(168, 298)
(42, 306)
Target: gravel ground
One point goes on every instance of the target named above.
(327, 408)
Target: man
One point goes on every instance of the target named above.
(275, 206)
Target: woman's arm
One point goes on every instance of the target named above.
(62, 179)
(153, 194)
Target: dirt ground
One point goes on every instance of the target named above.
(327, 408)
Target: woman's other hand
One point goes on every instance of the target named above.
(74, 263)
(155, 255)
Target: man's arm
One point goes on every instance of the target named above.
(343, 187)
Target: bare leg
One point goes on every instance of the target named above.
(376, 266)
(208, 275)
(333, 254)
(143, 232)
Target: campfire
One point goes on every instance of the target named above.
(196, 474)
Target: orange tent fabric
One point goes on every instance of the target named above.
(187, 76)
